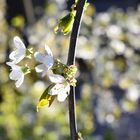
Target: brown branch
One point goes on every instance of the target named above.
(70, 61)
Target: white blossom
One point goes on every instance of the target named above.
(20, 52)
(46, 61)
(61, 87)
(16, 74)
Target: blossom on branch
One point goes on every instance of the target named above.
(61, 87)
(20, 52)
(16, 74)
(46, 61)
(60, 84)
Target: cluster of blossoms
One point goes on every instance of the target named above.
(16, 56)
(61, 77)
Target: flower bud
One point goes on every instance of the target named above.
(69, 72)
(73, 82)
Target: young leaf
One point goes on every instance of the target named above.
(65, 24)
(45, 98)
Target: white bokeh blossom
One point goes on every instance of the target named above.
(61, 87)
(20, 52)
(46, 61)
(16, 74)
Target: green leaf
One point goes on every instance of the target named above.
(65, 24)
(45, 98)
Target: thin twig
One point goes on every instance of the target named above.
(70, 61)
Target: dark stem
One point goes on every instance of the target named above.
(70, 61)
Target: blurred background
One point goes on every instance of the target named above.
(108, 58)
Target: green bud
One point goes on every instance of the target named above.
(72, 82)
(69, 72)
(45, 98)
(65, 24)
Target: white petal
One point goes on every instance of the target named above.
(18, 43)
(12, 55)
(61, 97)
(18, 57)
(12, 65)
(58, 88)
(20, 51)
(15, 74)
(20, 81)
(67, 88)
(40, 68)
(39, 57)
(48, 61)
(55, 78)
(48, 50)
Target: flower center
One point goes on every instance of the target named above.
(25, 70)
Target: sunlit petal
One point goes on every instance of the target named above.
(13, 65)
(55, 78)
(48, 50)
(58, 88)
(12, 55)
(39, 57)
(48, 61)
(20, 81)
(17, 55)
(61, 90)
(40, 68)
(61, 97)
(15, 74)
(18, 43)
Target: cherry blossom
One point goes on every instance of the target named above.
(61, 87)
(46, 61)
(20, 52)
(16, 74)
